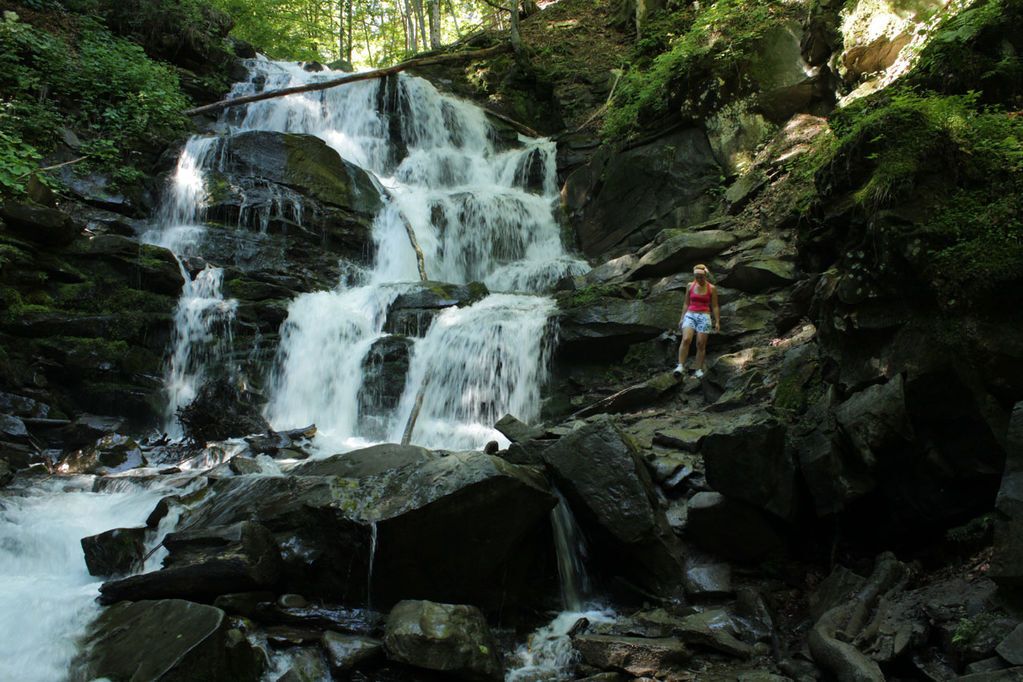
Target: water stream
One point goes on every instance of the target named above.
(482, 207)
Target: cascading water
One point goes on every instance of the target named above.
(203, 318)
(479, 214)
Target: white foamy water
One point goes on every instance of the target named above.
(47, 597)
(480, 212)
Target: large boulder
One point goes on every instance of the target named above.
(40, 224)
(637, 656)
(449, 638)
(222, 410)
(610, 324)
(426, 526)
(875, 420)
(170, 640)
(384, 370)
(114, 552)
(607, 485)
(205, 563)
(624, 199)
(751, 463)
(730, 528)
(413, 310)
(680, 250)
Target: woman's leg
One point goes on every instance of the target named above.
(701, 348)
(683, 348)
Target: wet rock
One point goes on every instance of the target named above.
(167, 640)
(730, 528)
(607, 485)
(18, 455)
(375, 459)
(838, 587)
(344, 652)
(307, 665)
(115, 552)
(636, 656)
(638, 191)
(221, 411)
(162, 508)
(708, 580)
(442, 527)
(203, 564)
(146, 266)
(111, 454)
(12, 428)
(411, 312)
(987, 665)
(86, 428)
(40, 224)
(1007, 675)
(242, 466)
(6, 473)
(750, 463)
(678, 251)
(22, 406)
(384, 370)
(516, 431)
(714, 629)
(244, 603)
(449, 638)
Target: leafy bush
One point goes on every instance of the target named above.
(702, 66)
(103, 87)
(962, 161)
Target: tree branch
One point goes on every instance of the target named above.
(351, 78)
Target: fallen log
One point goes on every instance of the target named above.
(352, 78)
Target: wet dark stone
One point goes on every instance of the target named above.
(115, 552)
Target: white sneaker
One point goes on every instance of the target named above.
(678, 371)
(698, 374)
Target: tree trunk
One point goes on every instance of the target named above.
(351, 32)
(516, 39)
(454, 18)
(435, 41)
(351, 78)
(417, 5)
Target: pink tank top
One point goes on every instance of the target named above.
(699, 303)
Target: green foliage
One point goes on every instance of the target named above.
(591, 294)
(103, 87)
(702, 66)
(966, 631)
(962, 161)
(974, 531)
(976, 49)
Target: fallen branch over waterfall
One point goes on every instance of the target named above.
(352, 78)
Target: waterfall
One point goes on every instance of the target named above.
(481, 210)
(570, 553)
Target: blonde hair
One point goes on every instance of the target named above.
(705, 269)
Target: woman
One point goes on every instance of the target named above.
(701, 299)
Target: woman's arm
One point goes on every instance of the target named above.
(685, 304)
(714, 306)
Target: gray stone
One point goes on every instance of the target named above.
(6, 473)
(631, 398)
(517, 431)
(1011, 648)
(384, 370)
(615, 323)
(344, 652)
(40, 224)
(680, 251)
(205, 563)
(715, 630)
(12, 427)
(750, 463)
(762, 275)
(1007, 675)
(637, 656)
(243, 466)
(375, 459)
(412, 311)
(115, 552)
(442, 526)
(706, 581)
(1007, 559)
(875, 419)
(169, 640)
(636, 192)
(730, 528)
(449, 638)
(987, 665)
(606, 483)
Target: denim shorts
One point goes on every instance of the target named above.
(699, 322)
